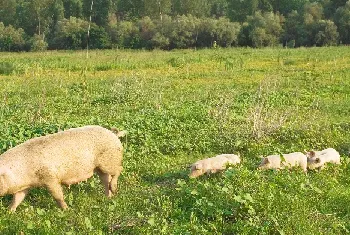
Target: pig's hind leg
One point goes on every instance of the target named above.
(17, 199)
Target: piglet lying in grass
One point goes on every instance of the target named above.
(318, 159)
(286, 160)
(213, 165)
(67, 157)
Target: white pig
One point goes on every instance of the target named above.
(318, 159)
(297, 159)
(213, 165)
(66, 157)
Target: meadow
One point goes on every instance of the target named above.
(178, 107)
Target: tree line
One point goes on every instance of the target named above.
(168, 24)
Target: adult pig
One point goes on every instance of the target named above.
(66, 157)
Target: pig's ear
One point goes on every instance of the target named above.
(318, 160)
(196, 166)
(266, 160)
(311, 153)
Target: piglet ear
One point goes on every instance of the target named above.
(196, 166)
(266, 160)
(318, 160)
(312, 153)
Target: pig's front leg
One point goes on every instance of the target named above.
(17, 199)
(105, 178)
(114, 181)
(56, 191)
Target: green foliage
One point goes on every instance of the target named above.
(73, 8)
(8, 11)
(124, 34)
(179, 107)
(72, 34)
(342, 20)
(11, 39)
(262, 29)
(327, 33)
(100, 11)
(171, 24)
(6, 68)
(38, 43)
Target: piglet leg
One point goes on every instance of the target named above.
(17, 199)
(56, 191)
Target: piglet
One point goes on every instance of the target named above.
(277, 162)
(213, 165)
(318, 159)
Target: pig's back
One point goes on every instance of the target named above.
(74, 150)
(296, 158)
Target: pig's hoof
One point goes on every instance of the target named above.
(109, 194)
(12, 209)
(63, 205)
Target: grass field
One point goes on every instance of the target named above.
(178, 107)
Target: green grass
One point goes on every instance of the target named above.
(178, 107)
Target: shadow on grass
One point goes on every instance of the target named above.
(169, 178)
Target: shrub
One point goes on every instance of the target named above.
(72, 34)
(261, 29)
(38, 43)
(11, 39)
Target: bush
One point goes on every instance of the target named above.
(125, 34)
(11, 39)
(327, 33)
(72, 34)
(342, 20)
(38, 43)
(261, 29)
(6, 68)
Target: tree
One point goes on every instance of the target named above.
(73, 8)
(293, 30)
(342, 20)
(37, 43)
(285, 7)
(35, 16)
(313, 12)
(239, 10)
(318, 31)
(72, 34)
(261, 29)
(8, 11)
(206, 32)
(184, 32)
(227, 32)
(156, 9)
(130, 9)
(11, 39)
(327, 34)
(100, 11)
(219, 8)
(198, 8)
(125, 34)
(330, 7)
